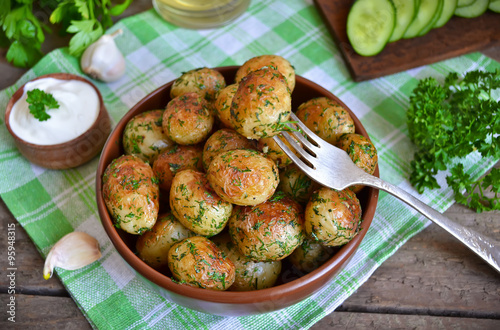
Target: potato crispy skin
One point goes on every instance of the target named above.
(275, 62)
(268, 231)
(243, 176)
(327, 118)
(173, 160)
(131, 194)
(223, 140)
(144, 137)
(198, 262)
(196, 205)
(261, 105)
(205, 81)
(188, 119)
(332, 217)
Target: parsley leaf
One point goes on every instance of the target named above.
(40, 102)
(450, 121)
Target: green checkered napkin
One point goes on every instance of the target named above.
(50, 204)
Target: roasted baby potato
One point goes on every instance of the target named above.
(143, 136)
(310, 255)
(332, 217)
(275, 62)
(196, 205)
(268, 231)
(205, 81)
(188, 119)
(222, 105)
(153, 246)
(261, 105)
(250, 275)
(362, 152)
(296, 184)
(223, 140)
(175, 159)
(198, 262)
(325, 117)
(243, 176)
(131, 194)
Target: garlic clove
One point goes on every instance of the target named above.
(73, 251)
(103, 60)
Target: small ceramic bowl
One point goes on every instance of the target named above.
(68, 154)
(293, 286)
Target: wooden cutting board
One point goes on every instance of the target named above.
(457, 37)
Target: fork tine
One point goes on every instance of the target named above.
(298, 148)
(299, 162)
(310, 134)
(313, 148)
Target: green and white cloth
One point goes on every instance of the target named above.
(50, 204)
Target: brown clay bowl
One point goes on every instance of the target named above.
(68, 154)
(293, 286)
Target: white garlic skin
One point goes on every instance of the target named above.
(73, 251)
(103, 60)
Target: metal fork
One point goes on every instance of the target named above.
(333, 168)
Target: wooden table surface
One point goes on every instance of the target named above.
(431, 282)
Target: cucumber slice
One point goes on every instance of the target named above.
(369, 25)
(494, 6)
(405, 12)
(425, 14)
(463, 3)
(476, 9)
(449, 8)
(434, 19)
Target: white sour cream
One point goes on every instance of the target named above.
(78, 110)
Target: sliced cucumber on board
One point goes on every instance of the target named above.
(425, 14)
(463, 3)
(449, 7)
(477, 8)
(370, 24)
(494, 6)
(405, 12)
(434, 19)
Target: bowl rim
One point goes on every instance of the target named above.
(57, 75)
(231, 297)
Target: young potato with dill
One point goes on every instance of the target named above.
(243, 176)
(325, 117)
(198, 262)
(188, 119)
(205, 81)
(268, 231)
(262, 104)
(131, 194)
(196, 205)
(332, 217)
(143, 136)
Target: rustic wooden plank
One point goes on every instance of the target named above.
(29, 263)
(457, 37)
(348, 320)
(42, 312)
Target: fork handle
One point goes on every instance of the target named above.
(485, 247)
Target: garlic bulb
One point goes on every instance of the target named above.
(102, 60)
(73, 251)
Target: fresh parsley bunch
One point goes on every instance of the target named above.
(448, 122)
(23, 30)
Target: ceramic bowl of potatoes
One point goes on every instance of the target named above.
(200, 201)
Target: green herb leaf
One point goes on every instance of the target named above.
(449, 121)
(40, 102)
